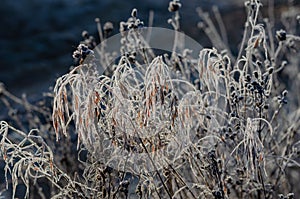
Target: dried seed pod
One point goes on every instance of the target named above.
(255, 73)
(290, 195)
(229, 180)
(270, 70)
(253, 6)
(174, 6)
(247, 3)
(134, 12)
(138, 190)
(218, 194)
(76, 54)
(281, 35)
(284, 93)
(123, 26)
(266, 106)
(259, 63)
(248, 78)
(166, 172)
(85, 34)
(108, 27)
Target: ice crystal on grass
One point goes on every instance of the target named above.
(172, 125)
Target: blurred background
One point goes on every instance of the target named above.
(37, 37)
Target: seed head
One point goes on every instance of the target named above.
(108, 27)
(174, 6)
(85, 34)
(284, 93)
(134, 12)
(271, 70)
(290, 195)
(281, 35)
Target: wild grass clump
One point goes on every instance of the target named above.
(169, 125)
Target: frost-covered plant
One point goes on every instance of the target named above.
(173, 125)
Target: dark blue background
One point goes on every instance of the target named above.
(37, 37)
